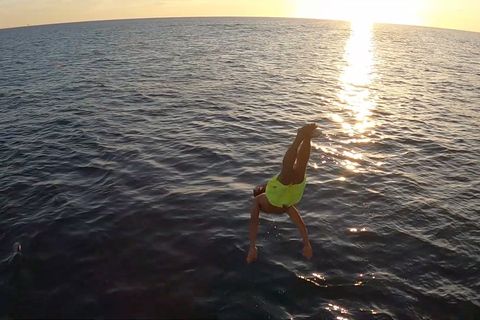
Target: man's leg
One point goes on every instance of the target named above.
(300, 167)
(287, 174)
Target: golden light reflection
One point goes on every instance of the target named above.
(332, 307)
(372, 311)
(355, 230)
(312, 280)
(350, 166)
(336, 118)
(352, 155)
(318, 276)
(355, 98)
(355, 94)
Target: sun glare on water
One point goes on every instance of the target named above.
(352, 114)
(352, 110)
(354, 95)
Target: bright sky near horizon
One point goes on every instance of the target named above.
(452, 14)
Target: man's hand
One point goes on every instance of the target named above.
(252, 254)
(259, 190)
(307, 251)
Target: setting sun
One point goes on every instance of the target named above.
(460, 14)
(366, 11)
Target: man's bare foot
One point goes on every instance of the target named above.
(306, 130)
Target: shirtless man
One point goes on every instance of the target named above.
(285, 190)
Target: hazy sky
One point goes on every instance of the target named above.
(455, 14)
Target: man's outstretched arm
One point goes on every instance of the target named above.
(307, 248)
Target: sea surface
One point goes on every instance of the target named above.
(129, 151)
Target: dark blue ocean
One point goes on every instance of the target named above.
(129, 151)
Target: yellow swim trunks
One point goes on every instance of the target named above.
(281, 195)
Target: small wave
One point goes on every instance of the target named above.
(93, 171)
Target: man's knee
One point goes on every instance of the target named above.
(261, 201)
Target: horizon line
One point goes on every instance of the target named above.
(227, 16)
